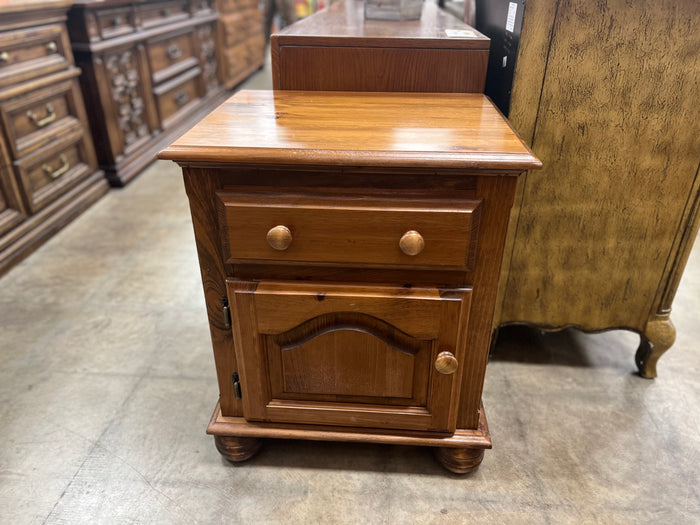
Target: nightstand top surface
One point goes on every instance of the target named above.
(382, 130)
(343, 22)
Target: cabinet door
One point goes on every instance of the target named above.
(349, 355)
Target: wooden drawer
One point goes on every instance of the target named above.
(177, 97)
(239, 26)
(46, 174)
(152, 14)
(171, 56)
(115, 22)
(33, 52)
(236, 59)
(42, 115)
(338, 354)
(362, 232)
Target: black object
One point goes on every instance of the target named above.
(502, 22)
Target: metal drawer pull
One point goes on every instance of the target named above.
(4, 56)
(446, 363)
(411, 243)
(174, 52)
(118, 20)
(181, 98)
(279, 237)
(48, 119)
(51, 47)
(60, 171)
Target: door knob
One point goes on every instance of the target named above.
(446, 363)
(279, 237)
(411, 243)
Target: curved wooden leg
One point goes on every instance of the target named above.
(659, 335)
(237, 449)
(459, 460)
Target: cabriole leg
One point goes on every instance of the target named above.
(659, 335)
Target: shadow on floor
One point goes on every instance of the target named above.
(567, 347)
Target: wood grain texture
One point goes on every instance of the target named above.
(356, 129)
(204, 212)
(237, 449)
(241, 41)
(597, 231)
(266, 314)
(428, 70)
(366, 232)
(478, 438)
(459, 460)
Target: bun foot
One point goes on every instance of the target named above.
(237, 449)
(459, 460)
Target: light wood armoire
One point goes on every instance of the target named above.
(607, 95)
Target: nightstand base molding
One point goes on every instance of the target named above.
(236, 439)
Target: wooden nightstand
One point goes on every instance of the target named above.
(350, 246)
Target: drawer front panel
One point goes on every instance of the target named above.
(177, 97)
(11, 212)
(32, 52)
(348, 355)
(47, 175)
(368, 233)
(171, 56)
(156, 13)
(115, 22)
(41, 116)
(238, 27)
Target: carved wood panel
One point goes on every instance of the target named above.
(127, 93)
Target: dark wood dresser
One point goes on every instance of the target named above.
(150, 70)
(336, 49)
(241, 39)
(48, 169)
(350, 247)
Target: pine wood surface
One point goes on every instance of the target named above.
(356, 129)
(606, 96)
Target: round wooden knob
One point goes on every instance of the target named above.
(446, 363)
(279, 237)
(411, 243)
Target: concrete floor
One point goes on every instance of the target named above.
(107, 383)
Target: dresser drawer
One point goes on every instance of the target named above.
(364, 232)
(41, 116)
(115, 22)
(46, 174)
(177, 97)
(171, 56)
(156, 13)
(237, 27)
(32, 52)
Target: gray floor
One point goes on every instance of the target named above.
(107, 384)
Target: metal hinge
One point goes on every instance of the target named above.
(226, 312)
(236, 385)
